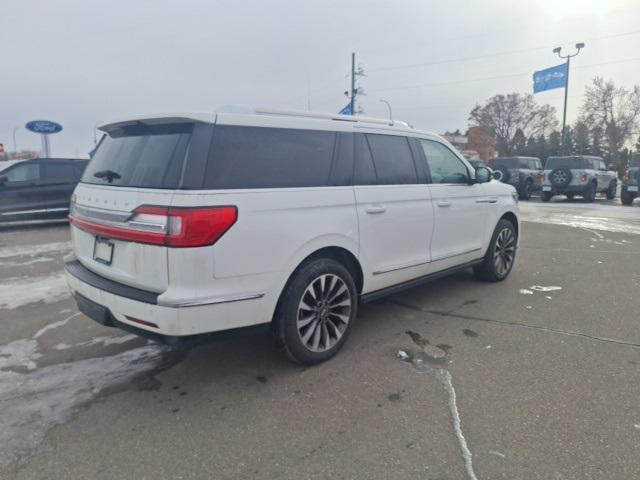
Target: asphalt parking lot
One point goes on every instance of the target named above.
(537, 377)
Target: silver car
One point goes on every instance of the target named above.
(582, 175)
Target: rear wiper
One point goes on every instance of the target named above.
(110, 175)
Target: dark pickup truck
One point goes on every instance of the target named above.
(37, 189)
(631, 181)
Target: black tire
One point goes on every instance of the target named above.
(589, 194)
(506, 174)
(546, 196)
(524, 193)
(489, 270)
(285, 322)
(626, 197)
(611, 191)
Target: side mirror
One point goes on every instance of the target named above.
(483, 175)
(3, 179)
(613, 167)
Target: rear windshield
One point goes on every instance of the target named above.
(508, 163)
(566, 162)
(146, 156)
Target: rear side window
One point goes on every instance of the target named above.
(146, 156)
(255, 157)
(56, 172)
(392, 159)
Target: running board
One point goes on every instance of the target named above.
(416, 282)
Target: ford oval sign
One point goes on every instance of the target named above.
(44, 127)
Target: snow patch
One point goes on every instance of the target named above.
(540, 288)
(32, 250)
(54, 325)
(23, 291)
(525, 291)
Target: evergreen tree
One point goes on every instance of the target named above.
(554, 146)
(519, 142)
(597, 140)
(582, 138)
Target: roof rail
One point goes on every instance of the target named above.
(308, 114)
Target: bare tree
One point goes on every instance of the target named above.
(615, 110)
(505, 115)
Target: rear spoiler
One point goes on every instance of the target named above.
(159, 120)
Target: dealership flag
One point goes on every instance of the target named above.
(550, 78)
(346, 110)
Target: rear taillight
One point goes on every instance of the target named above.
(584, 177)
(521, 176)
(541, 177)
(627, 175)
(168, 226)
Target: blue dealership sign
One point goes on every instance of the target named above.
(44, 127)
(550, 78)
(346, 110)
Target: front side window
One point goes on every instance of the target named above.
(444, 165)
(28, 172)
(255, 157)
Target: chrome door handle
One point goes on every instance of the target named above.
(443, 203)
(375, 209)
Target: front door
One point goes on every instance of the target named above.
(20, 195)
(460, 206)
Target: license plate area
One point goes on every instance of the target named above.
(103, 251)
(546, 188)
(632, 188)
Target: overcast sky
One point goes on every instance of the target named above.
(79, 62)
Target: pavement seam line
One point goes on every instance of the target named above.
(516, 324)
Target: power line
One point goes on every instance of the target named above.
(467, 80)
(495, 54)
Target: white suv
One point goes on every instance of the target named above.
(190, 224)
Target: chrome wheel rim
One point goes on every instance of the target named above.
(505, 251)
(324, 312)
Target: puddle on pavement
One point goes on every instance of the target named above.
(33, 399)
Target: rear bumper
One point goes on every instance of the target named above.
(114, 304)
(575, 189)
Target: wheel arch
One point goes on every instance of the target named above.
(511, 217)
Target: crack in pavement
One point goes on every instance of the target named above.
(514, 324)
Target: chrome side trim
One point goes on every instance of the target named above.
(39, 210)
(113, 218)
(399, 267)
(445, 257)
(493, 200)
(208, 301)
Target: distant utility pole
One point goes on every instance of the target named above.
(355, 89)
(579, 46)
(353, 84)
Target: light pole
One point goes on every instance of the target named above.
(389, 107)
(579, 46)
(15, 146)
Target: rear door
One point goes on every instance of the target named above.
(20, 195)
(394, 208)
(461, 209)
(58, 179)
(134, 166)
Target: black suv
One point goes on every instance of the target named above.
(631, 181)
(523, 173)
(38, 189)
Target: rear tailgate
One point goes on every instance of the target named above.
(137, 164)
(135, 264)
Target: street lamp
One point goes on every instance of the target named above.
(15, 147)
(389, 107)
(558, 50)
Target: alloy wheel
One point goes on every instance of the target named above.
(504, 251)
(324, 312)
